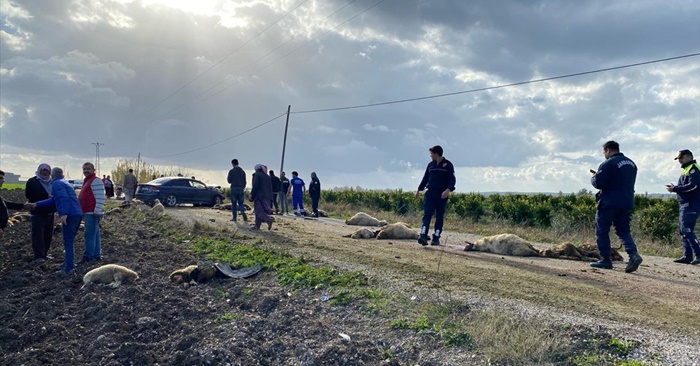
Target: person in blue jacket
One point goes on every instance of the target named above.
(615, 181)
(69, 212)
(688, 195)
(440, 180)
(298, 191)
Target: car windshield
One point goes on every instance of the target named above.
(159, 181)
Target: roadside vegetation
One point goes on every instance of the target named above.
(537, 217)
(494, 337)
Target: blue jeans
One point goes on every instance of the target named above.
(433, 203)
(686, 220)
(237, 196)
(284, 204)
(93, 244)
(604, 218)
(69, 231)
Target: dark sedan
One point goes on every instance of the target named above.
(174, 190)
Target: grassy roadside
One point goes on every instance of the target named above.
(497, 337)
(562, 233)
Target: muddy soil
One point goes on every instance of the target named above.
(49, 319)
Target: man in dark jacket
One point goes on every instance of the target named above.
(38, 188)
(314, 193)
(4, 205)
(284, 193)
(68, 208)
(275, 182)
(688, 195)
(236, 178)
(615, 179)
(440, 180)
(261, 195)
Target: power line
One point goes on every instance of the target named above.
(496, 87)
(180, 108)
(441, 96)
(224, 140)
(224, 58)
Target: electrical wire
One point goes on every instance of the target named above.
(497, 86)
(224, 140)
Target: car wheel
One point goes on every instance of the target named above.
(171, 200)
(216, 201)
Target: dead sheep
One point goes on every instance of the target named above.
(505, 244)
(363, 233)
(584, 252)
(193, 273)
(363, 219)
(109, 274)
(158, 207)
(397, 230)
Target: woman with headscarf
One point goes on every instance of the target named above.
(315, 193)
(261, 195)
(38, 188)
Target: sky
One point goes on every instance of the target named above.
(193, 84)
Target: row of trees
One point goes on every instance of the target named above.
(655, 217)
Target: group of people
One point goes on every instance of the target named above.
(47, 193)
(614, 179)
(269, 190)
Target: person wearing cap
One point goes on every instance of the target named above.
(261, 195)
(688, 195)
(615, 179)
(440, 180)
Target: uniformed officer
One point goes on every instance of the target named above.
(440, 180)
(688, 195)
(615, 179)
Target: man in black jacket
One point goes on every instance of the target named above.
(440, 180)
(38, 188)
(4, 205)
(275, 182)
(314, 193)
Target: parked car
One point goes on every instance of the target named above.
(76, 183)
(174, 190)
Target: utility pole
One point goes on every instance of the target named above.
(97, 156)
(284, 144)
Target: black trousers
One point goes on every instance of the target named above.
(42, 232)
(274, 201)
(314, 204)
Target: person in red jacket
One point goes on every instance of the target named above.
(92, 199)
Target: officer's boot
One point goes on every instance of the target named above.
(634, 262)
(423, 239)
(435, 241)
(605, 263)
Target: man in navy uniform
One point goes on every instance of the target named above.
(615, 179)
(440, 180)
(688, 194)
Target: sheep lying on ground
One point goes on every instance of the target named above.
(363, 219)
(193, 273)
(158, 207)
(584, 252)
(397, 230)
(109, 274)
(363, 233)
(506, 244)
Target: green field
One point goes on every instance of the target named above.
(13, 185)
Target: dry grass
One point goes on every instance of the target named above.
(493, 227)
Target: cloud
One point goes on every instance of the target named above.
(195, 84)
